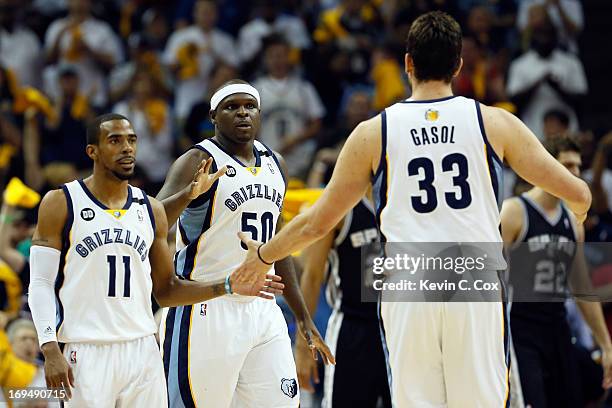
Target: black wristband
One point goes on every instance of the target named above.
(260, 258)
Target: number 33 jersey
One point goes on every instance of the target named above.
(103, 287)
(439, 179)
(247, 199)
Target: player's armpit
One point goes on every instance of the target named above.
(52, 215)
(526, 155)
(512, 214)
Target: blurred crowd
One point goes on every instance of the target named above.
(321, 67)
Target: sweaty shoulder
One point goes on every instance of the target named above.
(52, 216)
(54, 203)
(367, 137)
(498, 124)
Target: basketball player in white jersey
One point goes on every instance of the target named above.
(98, 253)
(232, 351)
(436, 160)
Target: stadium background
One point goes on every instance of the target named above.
(323, 66)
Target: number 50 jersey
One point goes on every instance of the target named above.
(439, 180)
(247, 199)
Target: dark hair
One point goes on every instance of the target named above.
(434, 43)
(232, 82)
(274, 39)
(561, 144)
(558, 115)
(93, 127)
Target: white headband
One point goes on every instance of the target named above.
(232, 89)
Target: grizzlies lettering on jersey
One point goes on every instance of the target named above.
(104, 282)
(539, 269)
(247, 199)
(344, 290)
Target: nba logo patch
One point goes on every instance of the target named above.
(140, 216)
(271, 168)
(431, 115)
(203, 309)
(73, 356)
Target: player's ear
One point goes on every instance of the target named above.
(458, 68)
(213, 116)
(92, 151)
(408, 64)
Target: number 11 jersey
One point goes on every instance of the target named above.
(103, 286)
(439, 180)
(247, 199)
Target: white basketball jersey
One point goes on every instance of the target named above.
(439, 179)
(247, 199)
(104, 282)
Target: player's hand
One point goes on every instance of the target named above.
(606, 363)
(307, 369)
(58, 374)
(203, 180)
(244, 283)
(315, 342)
(252, 271)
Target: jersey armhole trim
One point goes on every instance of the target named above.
(383, 145)
(69, 217)
(207, 195)
(483, 133)
(525, 227)
(149, 210)
(59, 280)
(271, 153)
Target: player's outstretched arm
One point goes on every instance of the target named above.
(314, 259)
(526, 155)
(189, 177)
(350, 180)
(44, 264)
(171, 291)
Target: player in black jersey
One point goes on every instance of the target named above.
(359, 378)
(540, 332)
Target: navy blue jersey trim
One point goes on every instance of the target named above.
(201, 200)
(192, 247)
(383, 144)
(183, 358)
(149, 209)
(446, 98)
(255, 153)
(167, 346)
(59, 280)
(484, 134)
(93, 198)
(271, 153)
(181, 230)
